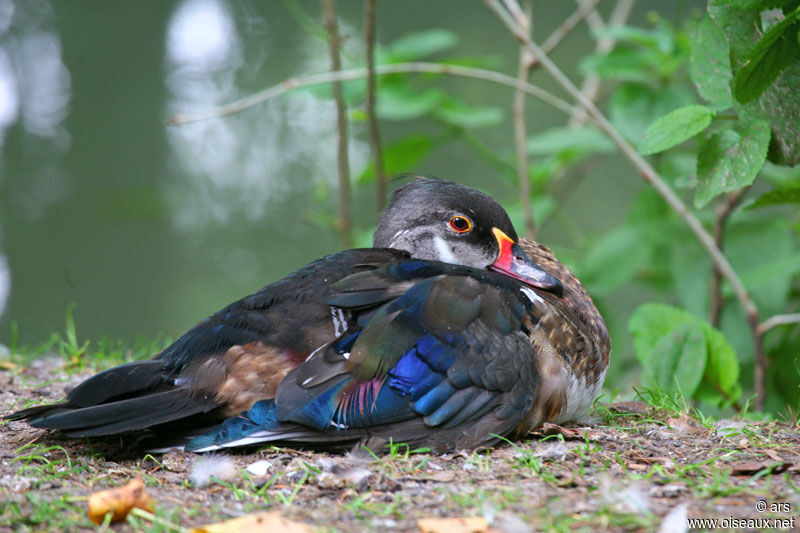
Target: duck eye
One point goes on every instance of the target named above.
(460, 224)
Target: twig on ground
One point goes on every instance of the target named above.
(344, 224)
(723, 211)
(372, 119)
(652, 177)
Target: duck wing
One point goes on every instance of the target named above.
(222, 365)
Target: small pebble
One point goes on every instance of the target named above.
(259, 468)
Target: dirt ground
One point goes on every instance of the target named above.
(637, 468)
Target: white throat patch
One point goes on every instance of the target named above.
(444, 252)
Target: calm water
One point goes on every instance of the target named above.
(149, 228)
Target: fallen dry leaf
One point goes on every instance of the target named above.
(120, 501)
(747, 468)
(468, 524)
(547, 429)
(256, 523)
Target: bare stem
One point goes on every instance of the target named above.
(520, 135)
(723, 211)
(651, 177)
(779, 320)
(372, 119)
(345, 224)
(554, 39)
(380, 70)
(591, 84)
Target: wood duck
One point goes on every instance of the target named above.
(448, 334)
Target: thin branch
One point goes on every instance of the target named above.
(372, 119)
(651, 177)
(380, 70)
(778, 320)
(591, 83)
(723, 211)
(555, 38)
(520, 135)
(345, 224)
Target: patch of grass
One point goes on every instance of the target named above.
(307, 471)
(366, 505)
(42, 464)
(400, 458)
(36, 512)
(603, 519)
(83, 356)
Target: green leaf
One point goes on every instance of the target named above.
(738, 25)
(777, 197)
(401, 102)
(677, 361)
(780, 106)
(720, 378)
(460, 115)
(761, 5)
(402, 155)
(674, 128)
(649, 323)
(710, 64)
(729, 160)
(775, 51)
(762, 249)
(601, 269)
(634, 106)
(542, 205)
(418, 45)
(583, 139)
(781, 177)
(662, 331)
(658, 38)
(622, 63)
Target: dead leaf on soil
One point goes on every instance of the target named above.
(256, 523)
(747, 468)
(684, 425)
(467, 524)
(547, 429)
(120, 501)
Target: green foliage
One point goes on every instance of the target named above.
(776, 50)
(674, 128)
(400, 155)
(724, 153)
(419, 45)
(634, 106)
(710, 64)
(766, 67)
(565, 141)
(682, 353)
(730, 159)
(778, 196)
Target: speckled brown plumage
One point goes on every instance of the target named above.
(571, 342)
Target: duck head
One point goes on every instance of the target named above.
(444, 221)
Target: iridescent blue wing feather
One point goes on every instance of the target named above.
(437, 364)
